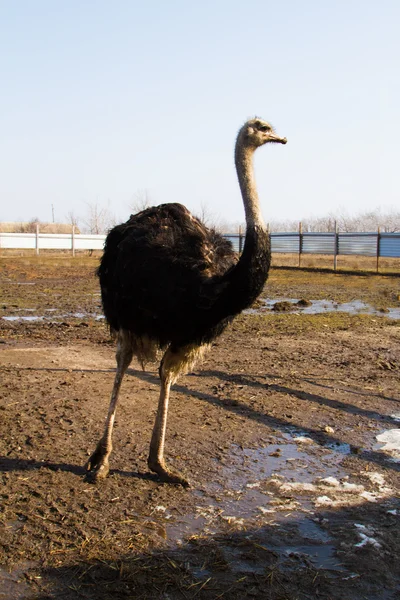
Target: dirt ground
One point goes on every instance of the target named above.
(292, 496)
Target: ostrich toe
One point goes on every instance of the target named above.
(97, 466)
(167, 475)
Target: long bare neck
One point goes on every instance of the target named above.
(244, 160)
(241, 284)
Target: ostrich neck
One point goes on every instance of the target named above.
(245, 170)
(245, 281)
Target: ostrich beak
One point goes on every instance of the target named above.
(275, 138)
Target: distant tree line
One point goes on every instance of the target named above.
(388, 222)
(99, 219)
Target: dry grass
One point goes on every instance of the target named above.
(343, 263)
(306, 261)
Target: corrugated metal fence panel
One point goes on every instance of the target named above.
(318, 243)
(390, 245)
(234, 238)
(364, 244)
(24, 241)
(285, 242)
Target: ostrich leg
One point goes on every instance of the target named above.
(172, 364)
(97, 465)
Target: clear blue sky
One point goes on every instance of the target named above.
(99, 99)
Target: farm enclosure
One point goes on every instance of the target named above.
(277, 430)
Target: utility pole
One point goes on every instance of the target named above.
(52, 211)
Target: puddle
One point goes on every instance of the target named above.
(316, 307)
(320, 556)
(279, 491)
(251, 499)
(310, 530)
(23, 318)
(85, 315)
(340, 447)
(53, 318)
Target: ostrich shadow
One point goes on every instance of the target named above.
(242, 409)
(237, 407)
(25, 464)
(243, 380)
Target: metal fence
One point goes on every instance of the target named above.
(376, 244)
(364, 244)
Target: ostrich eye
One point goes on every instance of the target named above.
(264, 128)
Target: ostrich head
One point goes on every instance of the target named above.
(257, 132)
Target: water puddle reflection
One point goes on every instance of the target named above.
(53, 318)
(316, 307)
(23, 318)
(255, 474)
(279, 491)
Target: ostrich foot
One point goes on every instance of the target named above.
(97, 466)
(165, 474)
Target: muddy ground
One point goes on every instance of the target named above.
(292, 497)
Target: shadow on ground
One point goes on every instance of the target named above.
(325, 558)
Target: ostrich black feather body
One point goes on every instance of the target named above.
(166, 276)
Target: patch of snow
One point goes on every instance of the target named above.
(330, 491)
(235, 520)
(365, 539)
(390, 440)
(253, 485)
(351, 576)
(375, 477)
(352, 488)
(366, 534)
(395, 417)
(330, 481)
(324, 501)
(265, 510)
(298, 487)
(379, 480)
(370, 496)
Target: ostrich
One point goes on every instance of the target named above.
(169, 283)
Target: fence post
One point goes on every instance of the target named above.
(240, 240)
(378, 248)
(37, 238)
(73, 240)
(336, 247)
(300, 241)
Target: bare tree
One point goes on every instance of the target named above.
(206, 216)
(98, 219)
(391, 222)
(30, 227)
(140, 201)
(369, 221)
(72, 218)
(362, 222)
